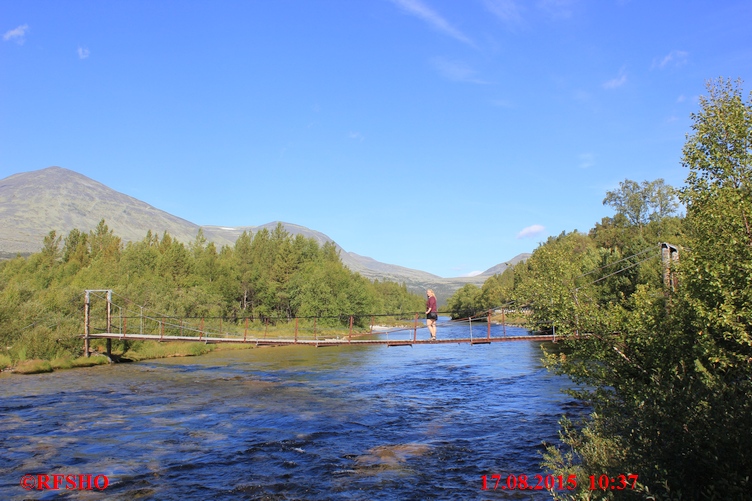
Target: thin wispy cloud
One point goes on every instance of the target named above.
(531, 231)
(473, 274)
(582, 96)
(507, 11)
(587, 160)
(558, 9)
(17, 35)
(83, 52)
(355, 136)
(426, 14)
(617, 82)
(675, 58)
(456, 71)
(502, 103)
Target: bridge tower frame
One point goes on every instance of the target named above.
(669, 260)
(87, 319)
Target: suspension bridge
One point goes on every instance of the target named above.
(165, 329)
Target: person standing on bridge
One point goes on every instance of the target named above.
(432, 313)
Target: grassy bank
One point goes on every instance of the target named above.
(31, 355)
(130, 352)
(513, 319)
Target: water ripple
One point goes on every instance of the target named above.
(347, 423)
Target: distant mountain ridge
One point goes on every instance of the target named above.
(34, 203)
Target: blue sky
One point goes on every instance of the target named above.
(442, 135)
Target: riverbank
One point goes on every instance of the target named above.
(144, 350)
(125, 351)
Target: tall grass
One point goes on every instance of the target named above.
(5, 362)
(154, 349)
(70, 363)
(33, 366)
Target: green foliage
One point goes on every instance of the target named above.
(643, 202)
(668, 375)
(554, 273)
(148, 350)
(34, 366)
(496, 292)
(465, 302)
(266, 277)
(719, 212)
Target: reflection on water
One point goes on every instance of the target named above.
(350, 422)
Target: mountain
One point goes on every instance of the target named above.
(34, 203)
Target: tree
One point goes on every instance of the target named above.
(51, 248)
(719, 206)
(643, 202)
(103, 242)
(717, 272)
(465, 302)
(668, 377)
(76, 247)
(553, 275)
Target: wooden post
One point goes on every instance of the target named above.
(488, 336)
(109, 324)
(296, 330)
(350, 335)
(669, 258)
(503, 322)
(415, 328)
(245, 332)
(87, 324)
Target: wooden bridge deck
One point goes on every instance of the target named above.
(320, 342)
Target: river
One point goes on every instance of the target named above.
(283, 423)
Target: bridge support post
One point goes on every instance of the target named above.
(669, 259)
(488, 335)
(87, 323)
(109, 324)
(87, 320)
(503, 321)
(415, 328)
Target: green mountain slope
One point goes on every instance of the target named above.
(34, 203)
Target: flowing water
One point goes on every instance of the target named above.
(280, 423)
